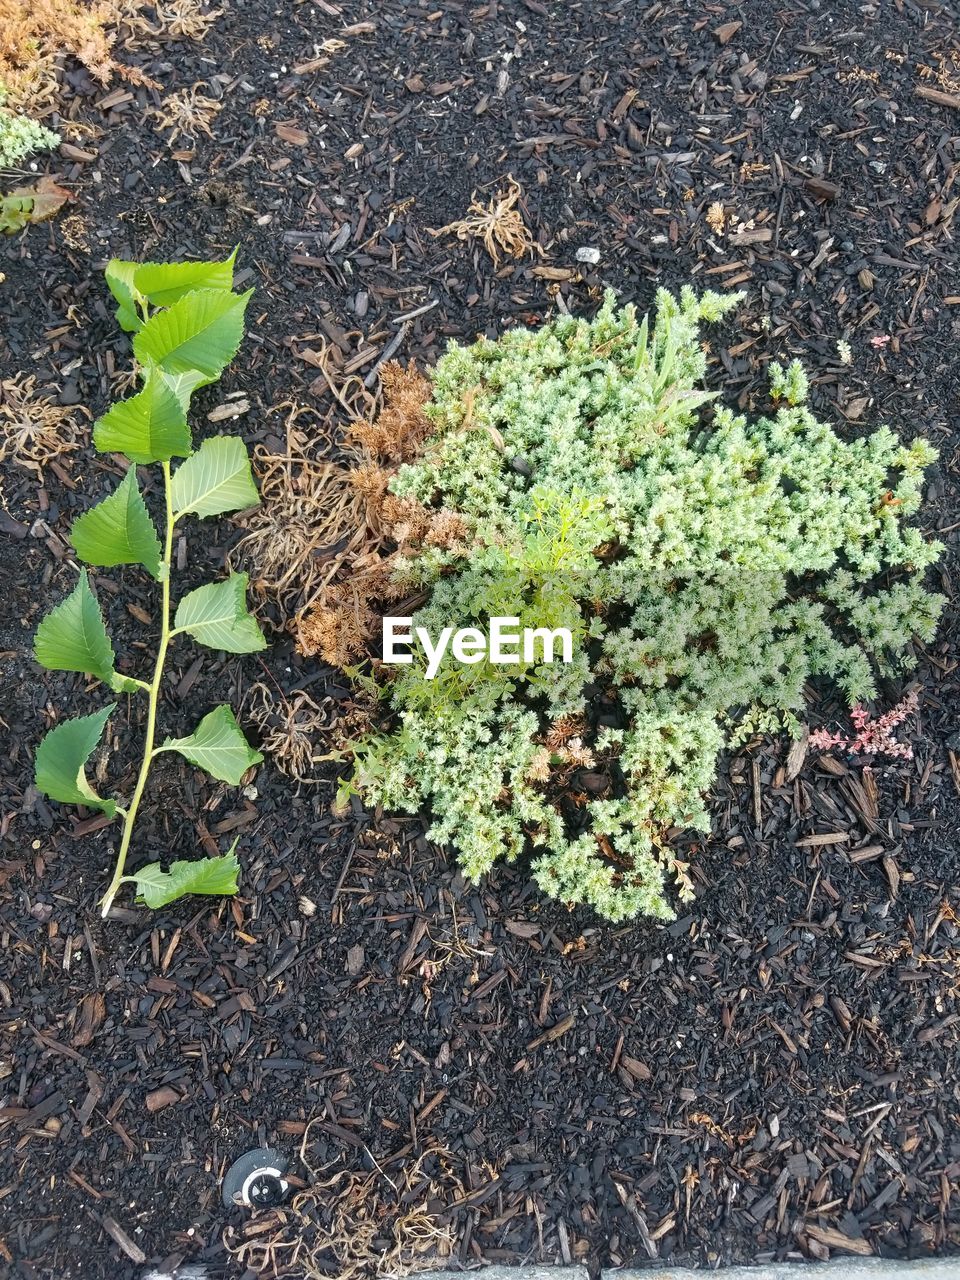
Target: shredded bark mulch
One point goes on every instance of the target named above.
(776, 1075)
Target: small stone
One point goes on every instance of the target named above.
(586, 253)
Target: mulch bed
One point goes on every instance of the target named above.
(776, 1075)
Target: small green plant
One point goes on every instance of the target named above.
(21, 137)
(187, 324)
(706, 568)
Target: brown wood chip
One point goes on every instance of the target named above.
(291, 133)
(92, 1012)
(639, 1070)
(822, 838)
(833, 1238)
(821, 188)
(160, 1098)
(554, 1033)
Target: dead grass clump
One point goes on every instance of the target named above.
(36, 35)
(187, 113)
(344, 615)
(353, 1225)
(327, 541)
(498, 225)
(308, 520)
(34, 430)
(178, 19)
(289, 726)
(292, 725)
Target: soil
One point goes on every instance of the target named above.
(775, 1075)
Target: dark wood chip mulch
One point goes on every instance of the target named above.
(776, 1075)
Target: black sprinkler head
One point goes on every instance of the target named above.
(256, 1180)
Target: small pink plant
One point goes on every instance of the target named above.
(872, 737)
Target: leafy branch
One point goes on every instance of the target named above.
(187, 324)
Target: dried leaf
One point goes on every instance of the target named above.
(31, 204)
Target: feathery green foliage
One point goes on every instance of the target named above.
(181, 312)
(708, 566)
(21, 137)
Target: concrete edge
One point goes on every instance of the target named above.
(851, 1268)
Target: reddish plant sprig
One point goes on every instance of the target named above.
(871, 737)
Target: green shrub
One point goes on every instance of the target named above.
(20, 136)
(708, 566)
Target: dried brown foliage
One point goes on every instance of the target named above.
(498, 225)
(309, 518)
(34, 430)
(289, 727)
(36, 35)
(177, 19)
(401, 427)
(327, 542)
(352, 1225)
(562, 730)
(345, 613)
(187, 113)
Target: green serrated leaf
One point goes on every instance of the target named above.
(216, 615)
(164, 283)
(155, 887)
(119, 530)
(72, 637)
(218, 746)
(127, 684)
(149, 427)
(201, 331)
(217, 478)
(182, 385)
(62, 755)
(119, 276)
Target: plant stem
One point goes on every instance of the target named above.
(130, 815)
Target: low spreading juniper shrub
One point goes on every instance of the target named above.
(708, 565)
(20, 136)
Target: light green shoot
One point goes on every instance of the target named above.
(188, 323)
